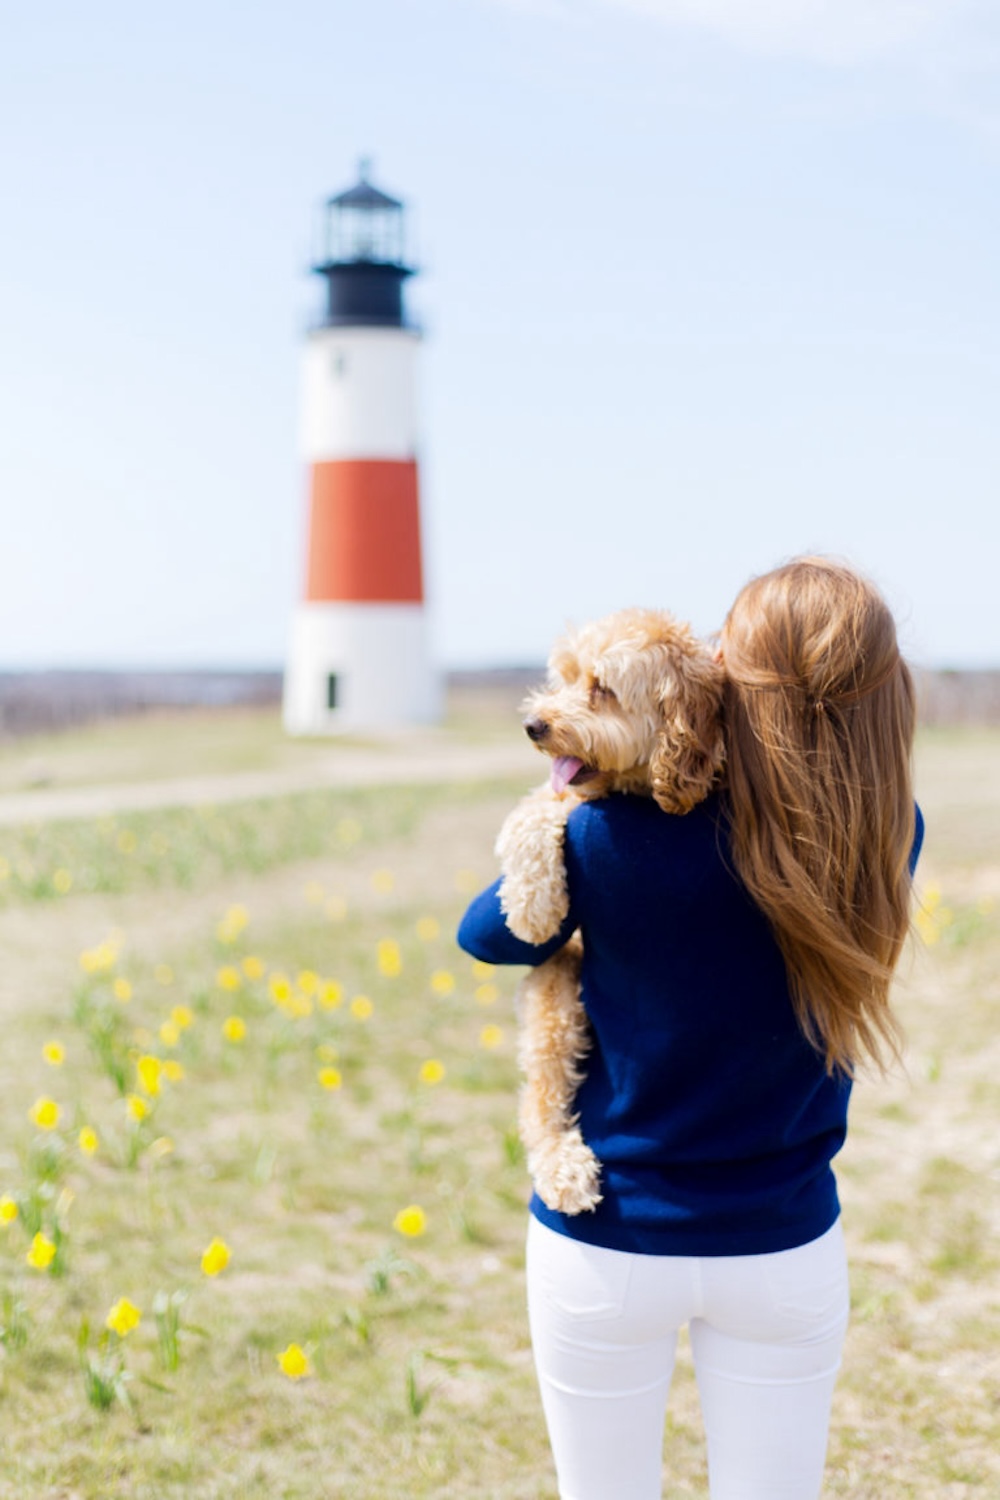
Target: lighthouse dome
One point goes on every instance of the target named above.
(362, 256)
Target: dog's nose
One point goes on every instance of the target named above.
(536, 729)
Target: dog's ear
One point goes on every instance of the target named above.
(564, 659)
(690, 751)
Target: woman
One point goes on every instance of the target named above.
(736, 972)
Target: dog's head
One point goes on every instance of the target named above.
(632, 705)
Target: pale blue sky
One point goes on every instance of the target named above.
(704, 285)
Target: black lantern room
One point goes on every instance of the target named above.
(362, 257)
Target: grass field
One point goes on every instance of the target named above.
(248, 1027)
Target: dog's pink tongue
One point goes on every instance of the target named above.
(564, 768)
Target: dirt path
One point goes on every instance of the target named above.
(422, 760)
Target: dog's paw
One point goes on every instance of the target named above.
(566, 1174)
(532, 913)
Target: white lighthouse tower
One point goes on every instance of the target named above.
(359, 656)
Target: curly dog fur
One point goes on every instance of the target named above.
(632, 705)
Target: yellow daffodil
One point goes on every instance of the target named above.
(490, 1037)
(137, 1107)
(294, 1362)
(932, 897)
(122, 990)
(101, 959)
(229, 978)
(234, 1028)
(927, 926)
(330, 994)
(410, 1221)
(280, 988)
(390, 961)
(170, 1034)
(362, 1008)
(87, 1140)
(253, 967)
(45, 1113)
(486, 994)
(42, 1252)
(54, 1054)
(432, 1071)
(173, 1071)
(442, 982)
(215, 1257)
(8, 1209)
(123, 1317)
(149, 1069)
(232, 925)
(329, 1078)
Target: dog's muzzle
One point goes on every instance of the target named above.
(536, 729)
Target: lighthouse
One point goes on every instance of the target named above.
(359, 657)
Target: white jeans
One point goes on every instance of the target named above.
(766, 1334)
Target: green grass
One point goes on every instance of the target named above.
(187, 848)
(420, 1378)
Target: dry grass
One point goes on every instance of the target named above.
(421, 1378)
(176, 743)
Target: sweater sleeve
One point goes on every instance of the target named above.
(918, 839)
(485, 933)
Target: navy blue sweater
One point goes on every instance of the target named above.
(713, 1118)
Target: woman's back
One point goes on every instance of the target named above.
(713, 1117)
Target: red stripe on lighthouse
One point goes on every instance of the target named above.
(364, 532)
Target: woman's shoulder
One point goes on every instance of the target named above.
(625, 806)
(621, 818)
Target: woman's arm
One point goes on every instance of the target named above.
(484, 933)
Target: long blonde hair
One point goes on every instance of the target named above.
(819, 717)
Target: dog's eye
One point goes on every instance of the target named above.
(600, 694)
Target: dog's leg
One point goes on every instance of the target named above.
(533, 894)
(554, 1041)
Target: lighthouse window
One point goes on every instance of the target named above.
(331, 691)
